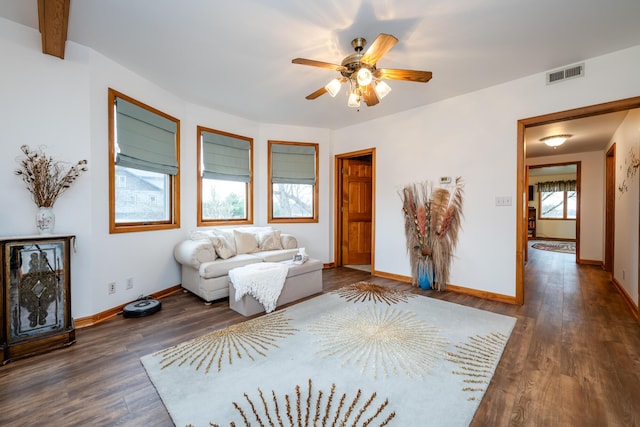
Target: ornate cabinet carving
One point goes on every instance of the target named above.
(36, 295)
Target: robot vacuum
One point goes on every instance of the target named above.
(142, 307)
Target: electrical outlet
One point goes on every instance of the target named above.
(112, 287)
(130, 283)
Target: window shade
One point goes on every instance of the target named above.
(225, 158)
(145, 140)
(293, 164)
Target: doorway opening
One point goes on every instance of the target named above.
(355, 206)
(521, 174)
(554, 215)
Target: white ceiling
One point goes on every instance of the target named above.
(235, 56)
(587, 134)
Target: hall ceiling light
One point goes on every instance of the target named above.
(555, 140)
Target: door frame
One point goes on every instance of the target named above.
(339, 191)
(521, 190)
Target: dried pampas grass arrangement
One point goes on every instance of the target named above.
(432, 223)
(45, 178)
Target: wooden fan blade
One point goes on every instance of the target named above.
(411, 75)
(316, 94)
(369, 95)
(320, 64)
(379, 47)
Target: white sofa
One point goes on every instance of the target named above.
(207, 256)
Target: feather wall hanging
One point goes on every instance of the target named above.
(432, 224)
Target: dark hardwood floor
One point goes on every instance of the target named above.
(573, 358)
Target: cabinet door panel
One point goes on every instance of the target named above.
(37, 288)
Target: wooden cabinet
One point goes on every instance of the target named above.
(531, 219)
(36, 295)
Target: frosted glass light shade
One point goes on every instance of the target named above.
(364, 76)
(333, 87)
(555, 140)
(354, 100)
(382, 89)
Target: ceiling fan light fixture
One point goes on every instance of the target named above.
(333, 87)
(354, 100)
(382, 89)
(555, 140)
(364, 76)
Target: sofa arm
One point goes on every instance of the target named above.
(288, 241)
(194, 252)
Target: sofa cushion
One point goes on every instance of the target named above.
(246, 243)
(288, 241)
(201, 234)
(220, 268)
(269, 240)
(194, 252)
(276, 255)
(225, 244)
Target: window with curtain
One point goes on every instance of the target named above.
(558, 199)
(144, 147)
(293, 181)
(225, 180)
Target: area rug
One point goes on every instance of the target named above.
(556, 246)
(363, 355)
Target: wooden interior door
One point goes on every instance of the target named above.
(610, 208)
(357, 211)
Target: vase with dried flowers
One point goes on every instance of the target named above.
(46, 179)
(432, 224)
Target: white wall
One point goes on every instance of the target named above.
(63, 104)
(474, 136)
(625, 263)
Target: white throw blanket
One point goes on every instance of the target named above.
(263, 281)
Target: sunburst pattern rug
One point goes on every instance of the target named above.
(556, 246)
(364, 355)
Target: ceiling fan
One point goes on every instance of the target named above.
(360, 70)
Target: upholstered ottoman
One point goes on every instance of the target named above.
(302, 280)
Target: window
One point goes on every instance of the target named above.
(293, 182)
(558, 199)
(144, 147)
(225, 183)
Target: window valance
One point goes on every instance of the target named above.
(551, 186)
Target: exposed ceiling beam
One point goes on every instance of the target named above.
(53, 20)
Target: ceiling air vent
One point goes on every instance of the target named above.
(566, 73)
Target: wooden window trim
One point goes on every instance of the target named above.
(564, 210)
(174, 180)
(271, 219)
(249, 189)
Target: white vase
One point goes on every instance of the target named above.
(45, 220)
